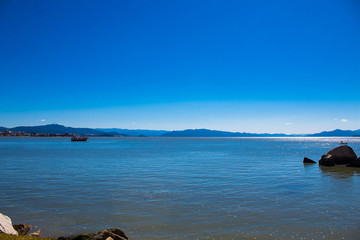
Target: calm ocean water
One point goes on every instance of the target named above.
(180, 188)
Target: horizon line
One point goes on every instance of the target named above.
(139, 129)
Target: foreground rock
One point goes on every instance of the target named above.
(308, 160)
(22, 228)
(6, 225)
(355, 163)
(107, 234)
(341, 155)
(113, 233)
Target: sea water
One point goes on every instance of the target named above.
(180, 188)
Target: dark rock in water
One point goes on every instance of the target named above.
(113, 233)
(308, 160)
(342, 154)
(327, 160)
(355, 163)
(22, 228)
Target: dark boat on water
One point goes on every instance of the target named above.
(79, 139)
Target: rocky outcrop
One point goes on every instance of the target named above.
(308, 160)
(342, 155)
(327, 160)
(106, 234)
(6, 225)
(22, 228)
(84, 236)
(109, 234)
(355, 163)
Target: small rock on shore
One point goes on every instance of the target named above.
(22, 228)
(106, 234)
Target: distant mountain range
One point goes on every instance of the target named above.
(215, 133)
(56, 129)
(60, 129)
(135, 132)
(337, 133)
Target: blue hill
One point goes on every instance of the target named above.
(215, 133)
(133, 132)
(57, 129)
(337, 133)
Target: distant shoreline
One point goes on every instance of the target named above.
(164, 137)
(56, 130)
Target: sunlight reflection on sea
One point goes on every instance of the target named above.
(176, 188)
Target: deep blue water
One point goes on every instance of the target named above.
(180, 188)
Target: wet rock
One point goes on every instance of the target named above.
(355, 163)
(22, 228)
(6, 225)
(327, 160)
(308, 160)
(342, 154)
(113, 233)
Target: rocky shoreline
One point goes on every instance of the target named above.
(24, 229)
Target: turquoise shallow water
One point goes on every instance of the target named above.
(180, 188)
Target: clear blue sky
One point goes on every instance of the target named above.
(252, 65)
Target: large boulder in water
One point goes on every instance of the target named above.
(342, 154)
(6, 225)
(327, 160)
(355, 163)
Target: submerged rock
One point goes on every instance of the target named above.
(6, 225)
(355, 163)
(327, 160)
(342, 155)
(22, 228)
(308, 160)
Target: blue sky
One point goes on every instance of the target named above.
(254, 65)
